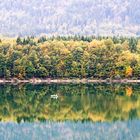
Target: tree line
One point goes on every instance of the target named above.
(70, 57)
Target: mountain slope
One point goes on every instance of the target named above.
(69, 17)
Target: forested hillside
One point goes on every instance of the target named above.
(69, 17)
(70, 57)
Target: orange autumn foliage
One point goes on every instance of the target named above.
(129, 71)
(129, 91)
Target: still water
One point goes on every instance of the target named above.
(81, 112)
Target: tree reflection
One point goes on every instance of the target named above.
(76, 102)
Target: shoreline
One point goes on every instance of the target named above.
(38, 81)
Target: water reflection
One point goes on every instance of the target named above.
(82, 102)
(68, 130)
(81, 112)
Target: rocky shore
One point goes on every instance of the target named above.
(36, 81)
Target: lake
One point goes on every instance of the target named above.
(81, 112)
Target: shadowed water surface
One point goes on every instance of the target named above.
(82, 111)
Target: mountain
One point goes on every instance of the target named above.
(69, 17)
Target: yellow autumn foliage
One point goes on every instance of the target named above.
(129, 71)
(129, 91)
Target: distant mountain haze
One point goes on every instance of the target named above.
(69, 17)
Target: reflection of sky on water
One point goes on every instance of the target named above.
(128, 130)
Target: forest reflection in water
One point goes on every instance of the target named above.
(69, 130)
(76, 102)
(81, 112)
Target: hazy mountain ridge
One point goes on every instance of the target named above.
(62, 17)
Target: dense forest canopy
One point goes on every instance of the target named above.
(70, 57)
